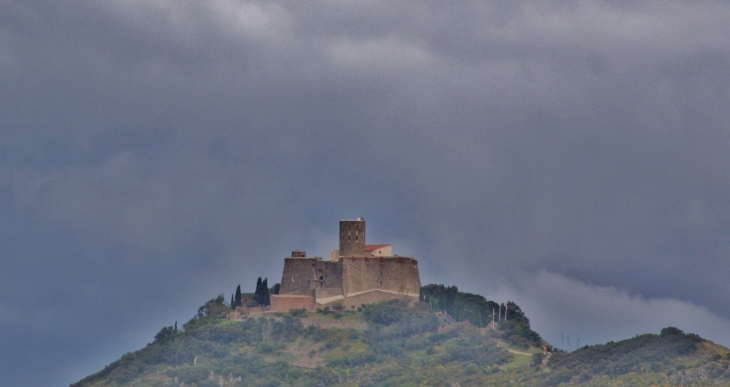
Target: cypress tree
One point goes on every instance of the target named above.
(258, 295)
(238, 295)
(265, 292)
(233, 302)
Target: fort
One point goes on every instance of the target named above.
(355, 274)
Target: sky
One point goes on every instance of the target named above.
(571, 156)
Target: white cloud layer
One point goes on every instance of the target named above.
(596, 314)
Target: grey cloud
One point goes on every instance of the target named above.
(154, 154)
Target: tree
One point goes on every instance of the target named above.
(275, 289)
(238, 296)
(258, 294)
(165, 334)
(261, 296)
(233, 302)
(211, 311)
(266, 300)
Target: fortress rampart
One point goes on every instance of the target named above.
(356, 277)
(302, 275)
(394, 274)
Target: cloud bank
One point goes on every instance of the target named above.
(154, 154)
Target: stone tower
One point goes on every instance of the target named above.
(352, 237)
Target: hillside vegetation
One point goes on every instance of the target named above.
(444, 340)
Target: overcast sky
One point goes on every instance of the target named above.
(572, 156)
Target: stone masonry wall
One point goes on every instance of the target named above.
(395, 274)
(283, 303)
(302, 275)
(327, 292)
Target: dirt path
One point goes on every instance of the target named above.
(323, 323)
(518, 352)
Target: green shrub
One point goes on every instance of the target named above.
(190, 374)
(386, 312)
(537, 359)
(265, 347)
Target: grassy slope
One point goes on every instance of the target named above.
(669, 358)
(276, 351)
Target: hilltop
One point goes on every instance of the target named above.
(446, 339)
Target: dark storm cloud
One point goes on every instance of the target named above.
(156, 153)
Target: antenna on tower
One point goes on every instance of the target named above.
(570, 348)
(562, 348)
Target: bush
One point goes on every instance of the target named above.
(265, 347)
(212, 311)
(165, 334)
(471, 369)
(192, 374)
(537, 359)
(671, 331)
(386, 312)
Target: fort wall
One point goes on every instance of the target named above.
(286, 302)
(302, 275)
(394, 274)
(355, 274)
(328, 293)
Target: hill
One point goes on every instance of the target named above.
(394, 344)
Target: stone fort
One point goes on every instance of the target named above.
(355, 274)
